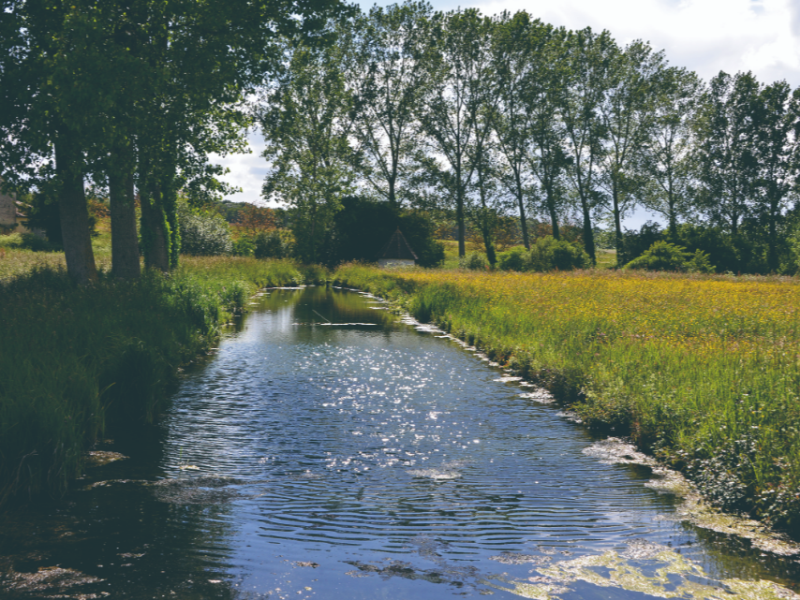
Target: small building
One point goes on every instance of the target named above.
(11, 215)
(397, 252)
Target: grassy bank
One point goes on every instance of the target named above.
(74, 359)
(703, 372)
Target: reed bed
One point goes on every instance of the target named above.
(74, 360)
(704, 372)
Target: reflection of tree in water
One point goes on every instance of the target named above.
(130, 538)
(318, 304)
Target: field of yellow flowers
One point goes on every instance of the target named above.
(702, 371)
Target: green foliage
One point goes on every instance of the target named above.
(514, 259)
(270, 244)
(363, 228)
(43, 214)
(77, 360)
(244, 246)
(203, 233)
(474, 261)
(661, 256)
(700, 262)
(27, 241)
(546, 254)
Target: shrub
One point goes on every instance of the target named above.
(203, 233)
(473, 262)
(270, 245)
(546, 254)
(549, 254)
(363, 227)
(661, 256)
(515, 259)
(244, 246)
(700, 263)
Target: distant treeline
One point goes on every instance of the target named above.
(483, 117)
(491, 116)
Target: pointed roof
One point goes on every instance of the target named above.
(397, 248)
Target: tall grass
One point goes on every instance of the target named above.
(702, 371)
(73, 359)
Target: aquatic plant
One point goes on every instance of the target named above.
(703, 371)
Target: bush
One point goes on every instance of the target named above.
(203, 233)
(244, 246)
(546, 254)
(474, 262)
(661, 256)
(270, 245)
(549, 254)
(515, 259)
(363, 227)
(700, 263)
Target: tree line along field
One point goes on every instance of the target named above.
(478, 116)
(702, 371)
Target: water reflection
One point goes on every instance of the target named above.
(364, 461)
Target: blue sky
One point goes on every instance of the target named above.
(707, 36)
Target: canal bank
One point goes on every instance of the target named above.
(700, 371)
(329, 450)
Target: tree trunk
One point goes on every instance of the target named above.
(154, 232)
(772, 250)
(74, 212)
(392, 197)
(673, 220)
(618, 231)
(124, 241)
(551, 208)
(588, 233)
(521, 205)
(462, 230)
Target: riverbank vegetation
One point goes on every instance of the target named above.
(703, 371)
(79, 359)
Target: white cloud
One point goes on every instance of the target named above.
(704, 35)
(247, 170)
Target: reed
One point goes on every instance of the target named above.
(703, 371)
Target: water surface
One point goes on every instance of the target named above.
(328, 450)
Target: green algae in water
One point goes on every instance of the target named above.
(673, 577)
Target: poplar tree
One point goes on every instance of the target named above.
(588, 59)
(307, 117)
(726, 149)
(626, 112)
(390, 80)
(667, 156)
(460, 74)
(777, 125)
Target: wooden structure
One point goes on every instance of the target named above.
(11, 215)
(397, 252)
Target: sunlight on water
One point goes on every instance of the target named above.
(314, 457)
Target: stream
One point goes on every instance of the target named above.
(330, 449)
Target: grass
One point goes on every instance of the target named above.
(702, 371)
(76, 359)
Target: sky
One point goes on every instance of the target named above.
(707, 36)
